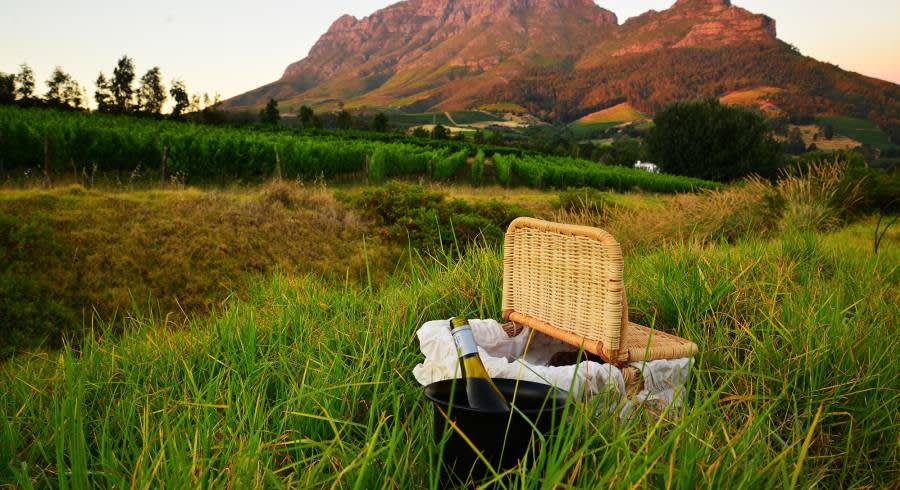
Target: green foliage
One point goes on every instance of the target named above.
(502, 168)
(440, 132)
(794, 145)
(63, 91)
(151, 95)
(7, 88)
(25, 82)
(380, 122)
(478, 168)
(30, 311)
(123, 144)
(269, 114)
(584, 198)
(623, 152)
(180, 96)
(708, 140)
(344, 120)
(862, 130)
(449, 166)
(307, 116)
(395, 160)
(410, 214)
(121, 86)
(563, 172)
(103, 96)
(201, 153)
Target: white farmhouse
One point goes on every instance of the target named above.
(647, 167)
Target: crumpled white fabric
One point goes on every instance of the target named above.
(506, 357)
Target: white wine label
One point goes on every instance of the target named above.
(465, 341)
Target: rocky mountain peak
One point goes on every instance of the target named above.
(703, 5)
(452, 52)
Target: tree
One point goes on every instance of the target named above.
(121, 85)
(270, 114)
(63, 91)
(708, 140)
(623, 152)
(344, 120)
(795, 144)
(180, 96)
(102, 94)
(25, 79)
(380, 123)
(7, 88)
(440, 132)
(152, 94)
(306, 115)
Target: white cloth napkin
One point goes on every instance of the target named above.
(506, 357)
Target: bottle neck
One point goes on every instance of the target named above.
(465, 342)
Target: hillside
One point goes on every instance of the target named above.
(562, 60)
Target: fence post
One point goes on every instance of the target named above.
(165, 167)
(366, 168)
(46, 162)
(277, 165)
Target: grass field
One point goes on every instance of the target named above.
(862, 130)
(606, 118)
(755, 97)
(305, 381)
(837, 142)
(70, 254)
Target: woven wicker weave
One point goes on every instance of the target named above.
(566, 281)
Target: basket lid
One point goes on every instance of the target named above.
(566, 281)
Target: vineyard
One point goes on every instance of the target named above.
(32, 140)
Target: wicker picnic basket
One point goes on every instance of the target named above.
(566, 281)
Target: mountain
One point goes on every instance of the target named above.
(563, 59)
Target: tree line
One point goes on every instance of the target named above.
(120, 93)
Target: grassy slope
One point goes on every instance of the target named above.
(181, 251)
(309, 385)
(750, 97)
(861, 130)
(606, 118)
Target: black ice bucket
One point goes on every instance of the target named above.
(502, 438)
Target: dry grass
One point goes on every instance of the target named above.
(184, 251)
(708, 216)
(816, 199)
(621, 113)
(812, 133)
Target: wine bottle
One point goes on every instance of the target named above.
(483, 394)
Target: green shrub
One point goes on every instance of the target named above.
(502, 168)
(583, 198)
(410, 214)
(30, 314)
(478, 168)
(449, 166)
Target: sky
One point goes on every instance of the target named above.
(229, 47)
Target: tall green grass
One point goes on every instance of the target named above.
(308, 384)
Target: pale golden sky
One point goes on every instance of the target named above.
(229, 46)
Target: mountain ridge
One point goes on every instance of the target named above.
(419, 55)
